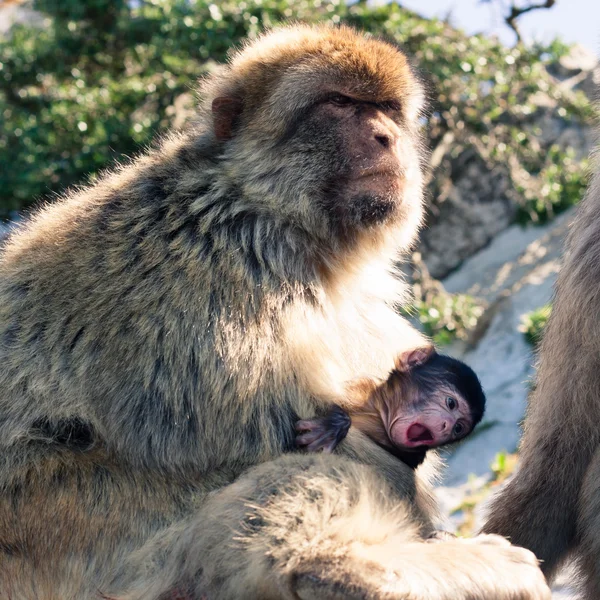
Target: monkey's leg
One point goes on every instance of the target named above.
(322, 527)
(527, 510)
(589, 529)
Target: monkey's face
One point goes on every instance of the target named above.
(321, 127)
(371, 163)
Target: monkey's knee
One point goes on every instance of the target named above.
(299, 514)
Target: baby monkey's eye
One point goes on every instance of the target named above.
(451, 403)
(459, 429)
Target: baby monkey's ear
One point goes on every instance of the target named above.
(409, 359)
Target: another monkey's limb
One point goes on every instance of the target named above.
(559, 449)
(323, 433)
(589, 530)
(528, 512)
(321, 527)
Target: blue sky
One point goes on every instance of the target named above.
(572, 20)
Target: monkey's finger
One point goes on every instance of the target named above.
(525, 556)
(440, 536)
(516, 553)
(310, 437)
(321, 444)
(329, 447)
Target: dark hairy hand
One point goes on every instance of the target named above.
(323, 433)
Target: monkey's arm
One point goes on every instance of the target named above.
(318, 527)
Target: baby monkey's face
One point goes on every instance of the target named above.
(426, 420)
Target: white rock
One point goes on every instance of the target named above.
(11, 14)
(515, 274)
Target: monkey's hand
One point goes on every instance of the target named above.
(323, 433)
(473, 569)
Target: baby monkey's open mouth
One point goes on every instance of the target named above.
(418, 433)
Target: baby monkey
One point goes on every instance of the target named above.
(428, 400)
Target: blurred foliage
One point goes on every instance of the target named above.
(502, 467)
(442, 316)
(533, 323)
(445, 317)
(564, 180)
(99, 79)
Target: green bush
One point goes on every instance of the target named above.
(563, 180)
(533, 323)
(445, 317)
(98, 80)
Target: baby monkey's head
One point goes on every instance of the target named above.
(429, 400)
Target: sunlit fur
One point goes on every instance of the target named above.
(552, 505)
(181, 314)
(352, 534)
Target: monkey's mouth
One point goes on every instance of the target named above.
(418, 434)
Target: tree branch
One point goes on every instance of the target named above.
(516, 12)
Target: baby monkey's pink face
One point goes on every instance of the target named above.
(440, 418)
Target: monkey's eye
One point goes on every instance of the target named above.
(458, 430)
(391, 105)
(451, 403)
(340, 100)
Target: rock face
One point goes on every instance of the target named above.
(579, 70)
(476, 205)
(12, 13)
(514, 275)
(473, 198)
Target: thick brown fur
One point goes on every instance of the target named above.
(162, 330)
(551, 506)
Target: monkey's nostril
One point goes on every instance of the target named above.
(384, 140)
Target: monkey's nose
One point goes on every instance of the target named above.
(384, 140)
(444, 425)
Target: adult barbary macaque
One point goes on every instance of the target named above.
(163, 330)
(428, 400)
(552, 503)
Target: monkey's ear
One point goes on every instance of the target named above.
(225, 113)
(409, 359)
